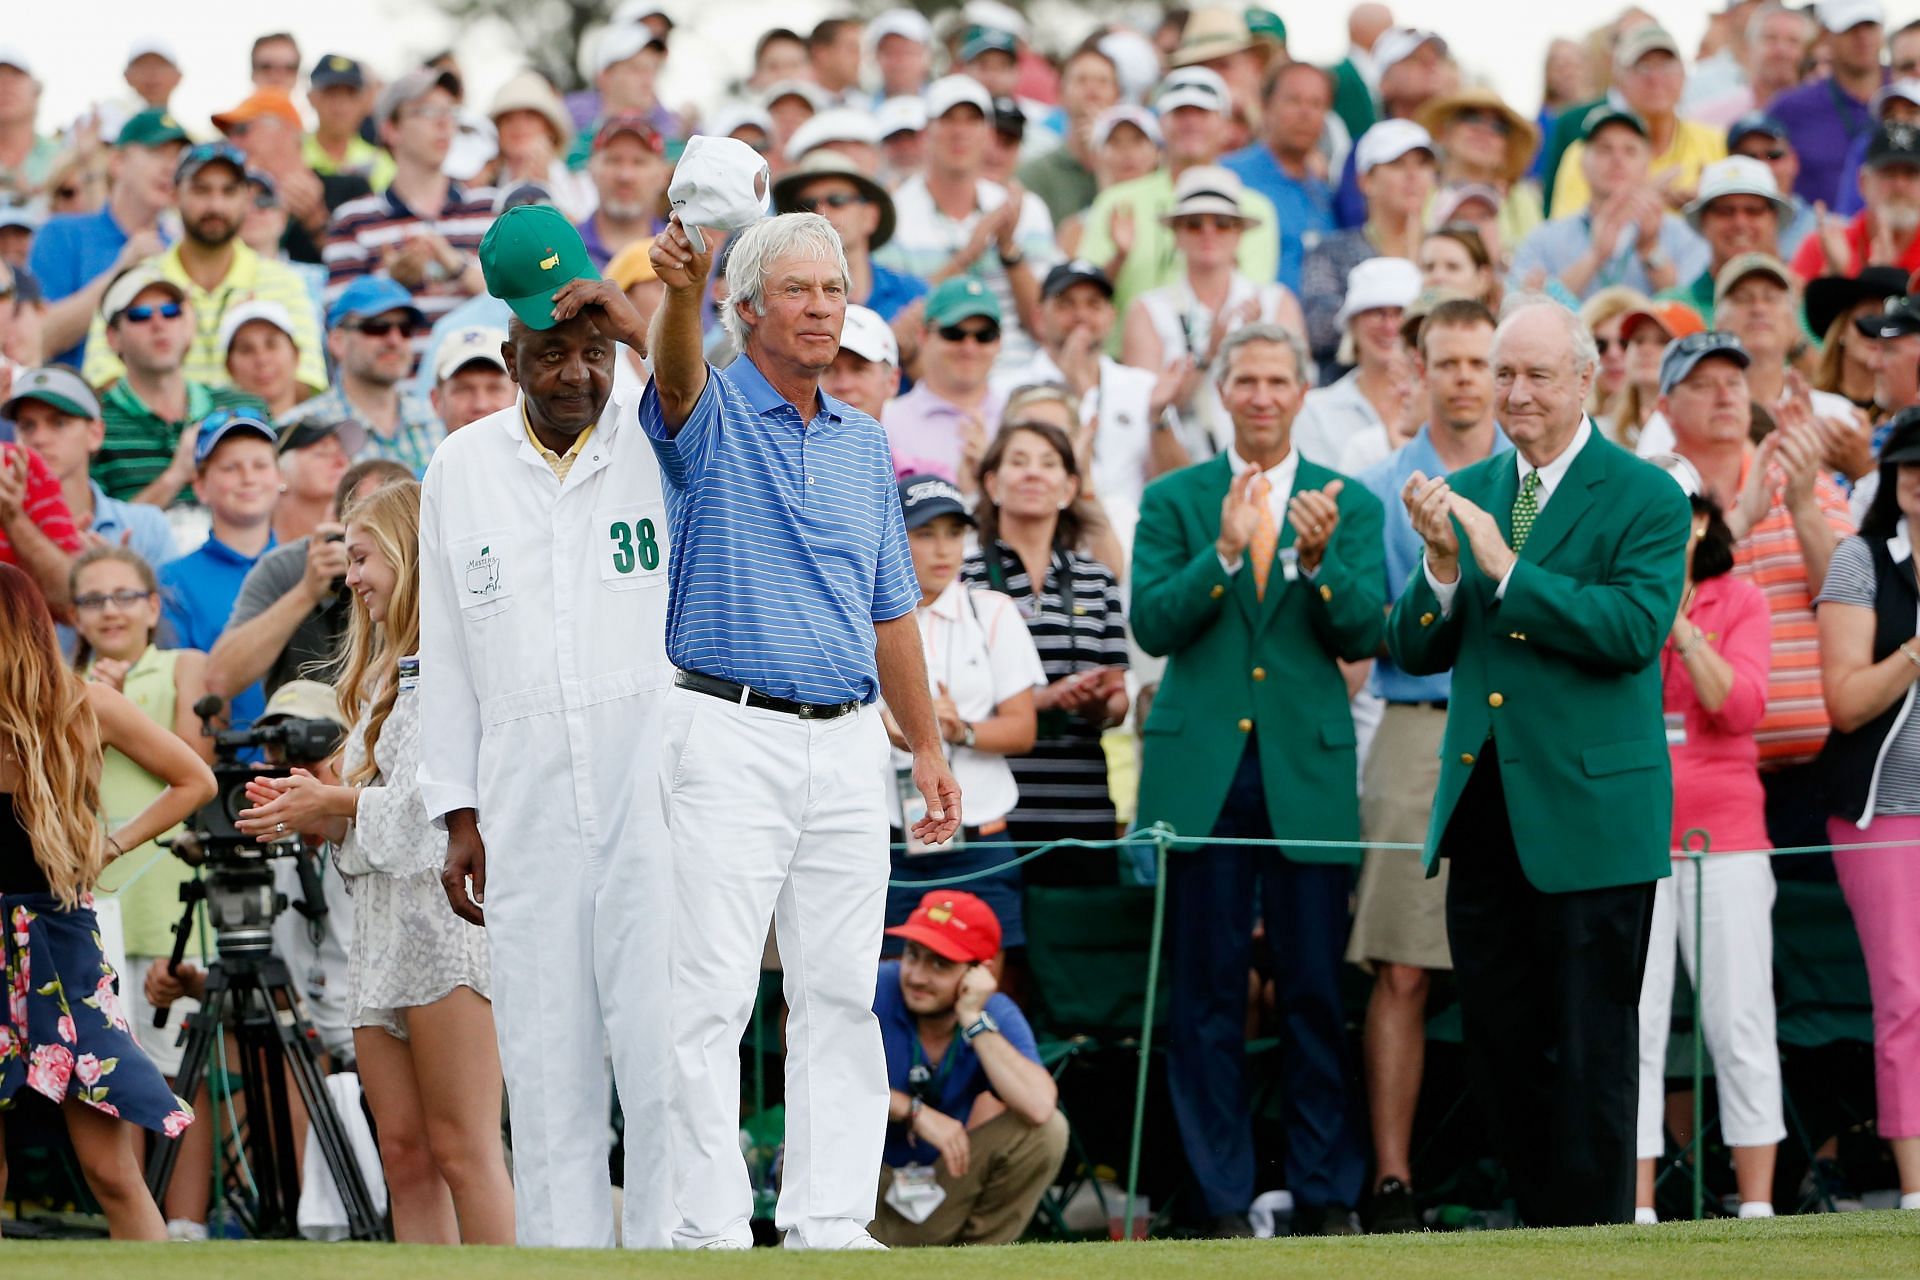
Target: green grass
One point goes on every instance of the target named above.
(1839, 1246)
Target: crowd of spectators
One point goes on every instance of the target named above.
(216, 334)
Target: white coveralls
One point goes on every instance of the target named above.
(543, 674)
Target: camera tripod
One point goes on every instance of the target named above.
(250, 989)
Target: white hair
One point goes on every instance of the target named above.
(1757, 23)
(1580, 344)
(754, 251)
(1247, 335)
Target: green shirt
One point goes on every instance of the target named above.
(1353, 100)
(140, 443)
(1063, 184)
(145, 881)
(370, 162)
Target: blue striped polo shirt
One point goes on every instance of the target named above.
(788, 543)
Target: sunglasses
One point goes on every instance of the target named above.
(125, 598)
(1605, 345)
(985, 336)
(381, 328)
(1206, 222)
(265, 201)
(838, 200)
(68, 192)
(145, 312)
(1486, 120)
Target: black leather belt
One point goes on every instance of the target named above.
(1436, 704)
(743, 696)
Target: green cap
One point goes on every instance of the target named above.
(154, 127)
(528, 253)
(1605, 114)
(956, 299)
(1265, 24)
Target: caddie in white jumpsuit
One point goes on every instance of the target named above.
(543, 674)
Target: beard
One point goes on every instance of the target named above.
(625, 210)
(211, 231)
(1900, 219)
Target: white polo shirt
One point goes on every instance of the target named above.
(978, 647)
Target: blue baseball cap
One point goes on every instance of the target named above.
(201, 154)
(369, 296)
(1755, 122)
(222, 423)
(1683, 355)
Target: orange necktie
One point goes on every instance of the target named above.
(1266, 537)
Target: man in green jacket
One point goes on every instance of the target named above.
(1255, 573)
(1551, 576)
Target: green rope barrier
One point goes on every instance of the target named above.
(1695, 848)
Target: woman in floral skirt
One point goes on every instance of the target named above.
(63, 1034)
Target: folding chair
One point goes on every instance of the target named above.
(1087, 953)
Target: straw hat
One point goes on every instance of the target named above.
(1211, 33)
(1522, 135)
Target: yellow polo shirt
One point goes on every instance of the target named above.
(562, 463)
(249, 277)
(371, 162)
(1694, 147)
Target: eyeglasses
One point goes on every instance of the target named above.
(125, 598)
(1605, 345)
(985, 336)
(838, 200)
(381, 328)
(428, 113)
(145, 312)
(265, 201)
(1486, 120)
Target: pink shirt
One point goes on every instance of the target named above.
(1716, 771)
(928, 434)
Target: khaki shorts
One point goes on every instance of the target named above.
(1401, 915)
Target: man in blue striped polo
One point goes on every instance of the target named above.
(791, 597)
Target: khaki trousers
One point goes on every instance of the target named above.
(1010, 1166)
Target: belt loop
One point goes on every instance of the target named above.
(746, 691)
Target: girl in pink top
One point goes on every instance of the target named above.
(1714, 669)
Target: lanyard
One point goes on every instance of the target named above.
(1069, 594)
(923, 1082)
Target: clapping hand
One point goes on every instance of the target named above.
(1428, 503)
(1239, 516)
(1484, 539)
(1314, 513)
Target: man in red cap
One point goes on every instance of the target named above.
(974, 1131)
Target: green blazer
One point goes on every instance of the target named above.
(1238, 663)
(1561, 675)
(1352, 100)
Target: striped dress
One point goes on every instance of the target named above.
(1077, 621)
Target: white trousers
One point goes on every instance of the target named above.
(579, 947)
(774, 816)
(1735, 979)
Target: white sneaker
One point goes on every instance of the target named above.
(863, 1241)
(1644, 1216)
(187, 1231)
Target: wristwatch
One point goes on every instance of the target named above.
(980, 1026)
(967, 734)
(1015, 258)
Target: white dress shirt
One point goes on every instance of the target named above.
(1550, 477)
(1280, 479)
